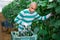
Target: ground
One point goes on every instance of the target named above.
(3, 35)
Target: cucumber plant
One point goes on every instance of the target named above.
(48, 29)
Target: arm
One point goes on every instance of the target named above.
(43, 17)
(19, 18)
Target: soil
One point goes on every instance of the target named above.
(3, 35)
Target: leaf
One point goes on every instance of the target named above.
(57, 24)
(42, 3)
(57, 9)
(56, 36)
(11, 10)
(58, 0)
(43, 32)
(51, 5)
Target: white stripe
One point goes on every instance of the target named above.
(25, 14)
(47, 16)
(24, 23)
(19, 16)
(30, 14)
(22, 13)
(37, 16)
(42, 17)
(15, 19)
(19, 21)
(20, 30)
(28, 19)
(21, 26)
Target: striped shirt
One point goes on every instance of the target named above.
(25, 17)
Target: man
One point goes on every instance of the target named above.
(26, 16)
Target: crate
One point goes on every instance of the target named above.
(14, 36)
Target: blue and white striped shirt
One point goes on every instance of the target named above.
(25, 17)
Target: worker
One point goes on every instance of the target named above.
(26, 16)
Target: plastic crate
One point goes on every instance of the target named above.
(14, 36)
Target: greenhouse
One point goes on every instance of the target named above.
(29, 19)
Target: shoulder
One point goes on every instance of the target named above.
(25, 11)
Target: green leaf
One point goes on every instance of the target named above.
(56, 36)
(42, 3)
(57, 24)
(57, 9)
(42, 32)
(51, 5)
(58, 0)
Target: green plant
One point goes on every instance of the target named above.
(48, 29)
(11, 10)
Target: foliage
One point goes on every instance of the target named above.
(49, 29)
(11, 10)
(46, 30)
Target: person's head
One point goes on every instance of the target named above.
(33, 7)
